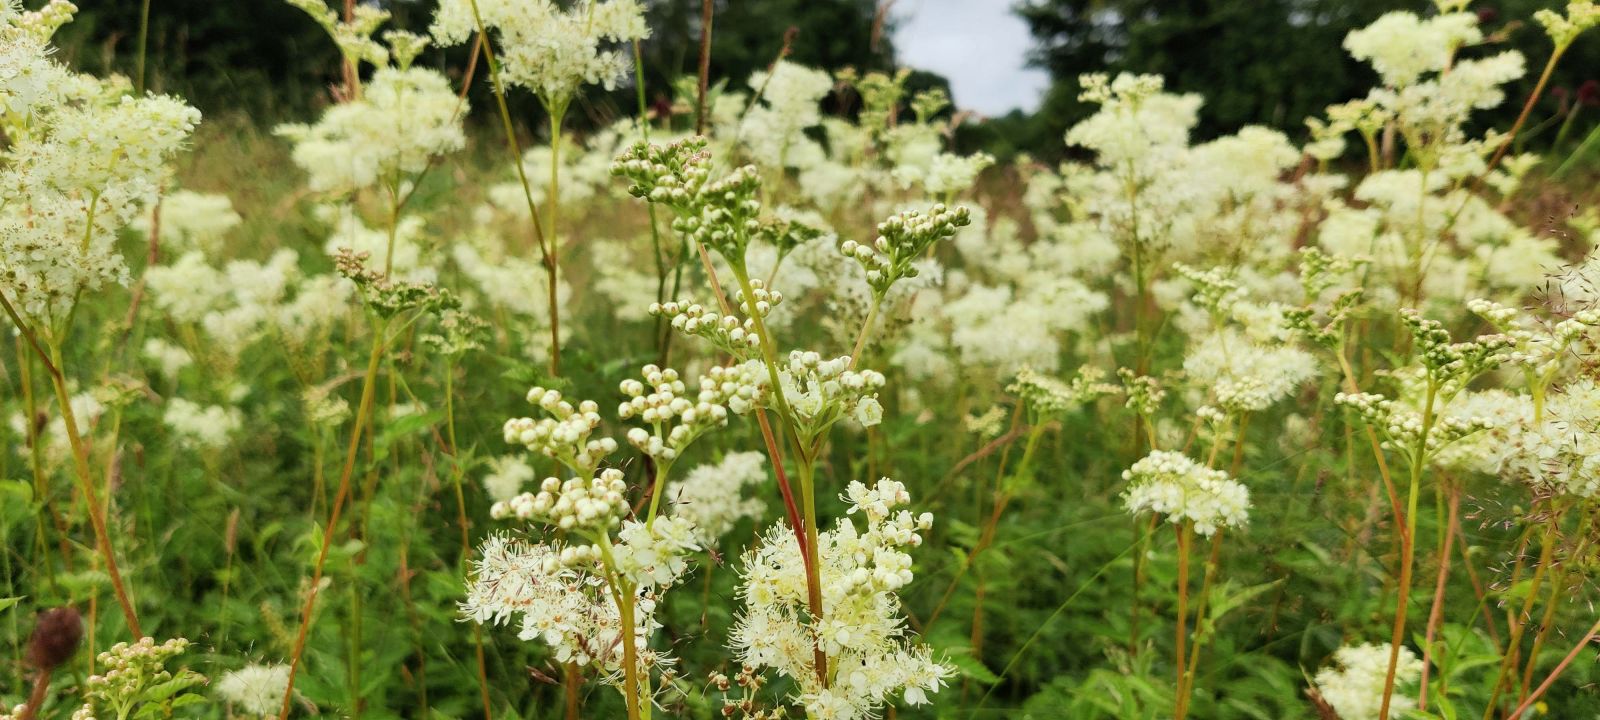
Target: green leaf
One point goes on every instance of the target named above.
(1234, 600)
(970, 667)
(10, 602)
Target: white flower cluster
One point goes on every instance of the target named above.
(255, 689)
(870, 655)
(208, 427)
(595, 504)
(1353, 687)
(712, 495)
(1245, 376)
(823, 392)
(190, 219)
(83, 159)
(1171, 484)
(390, 135)
(651, 555)
(565, 435)
(550, 50)
(564, 608)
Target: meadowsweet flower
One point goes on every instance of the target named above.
(595, 504)
(208, 427)
(507, 474)
(1171, 484)
(1245, 376)
(1564, 28)
(1354, 685)
(391, 134)
(79, 170)
(870, 654)
(550, 50)
(255, 689)
(1402, 47)
(191, 219)
(823, 392)
(1047, 396)
(712, 497)
(170, 359)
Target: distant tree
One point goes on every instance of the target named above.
(1269, 62)
(1256, 61)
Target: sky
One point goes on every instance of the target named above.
(978, 44)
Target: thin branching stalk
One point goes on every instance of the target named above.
(340, 496)
(1408, 546)
(547, 254)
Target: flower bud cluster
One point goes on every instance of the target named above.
(1563, 29)
(387, 296)
(1145, 393)
(594, 504)
(1171, 484)
(1537, 346)
(670, 175)
(662, 401)
(1453, 365)
(1048, 396)
(565, 435)
(765, 299)
(726, 332)
(132, 675)
(901, 241)
(1404, 428)
(722, 214)
(822, 392)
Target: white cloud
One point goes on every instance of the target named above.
(980, 45)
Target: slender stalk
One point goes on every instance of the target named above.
(1594, 631)
(707, 9)
(557, 112)
(866, 327)
(1187, 690)
(80, 461)
(546, 254)
(1527, 109)
(623, 594)
(1185, 539)
(1519, 624)
(1436, 613)
(456, 471)
(1408, 546)
(340, 496)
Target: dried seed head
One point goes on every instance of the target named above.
(55, 638)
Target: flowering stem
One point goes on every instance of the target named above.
(1185, 539)
(456, 471)
(1594, 631)
(1527, 109)
(1408, 546)
(80, 459)
(546, 254)
(866, 327)
(1436, 613)
(557, 111)
(662, 467)
(623, 594)
(707, 8)
(363, 414)
(1187, 689)
(1519, 624)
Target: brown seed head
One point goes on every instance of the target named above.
(55, 638)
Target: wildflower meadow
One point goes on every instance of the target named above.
(770, 399)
